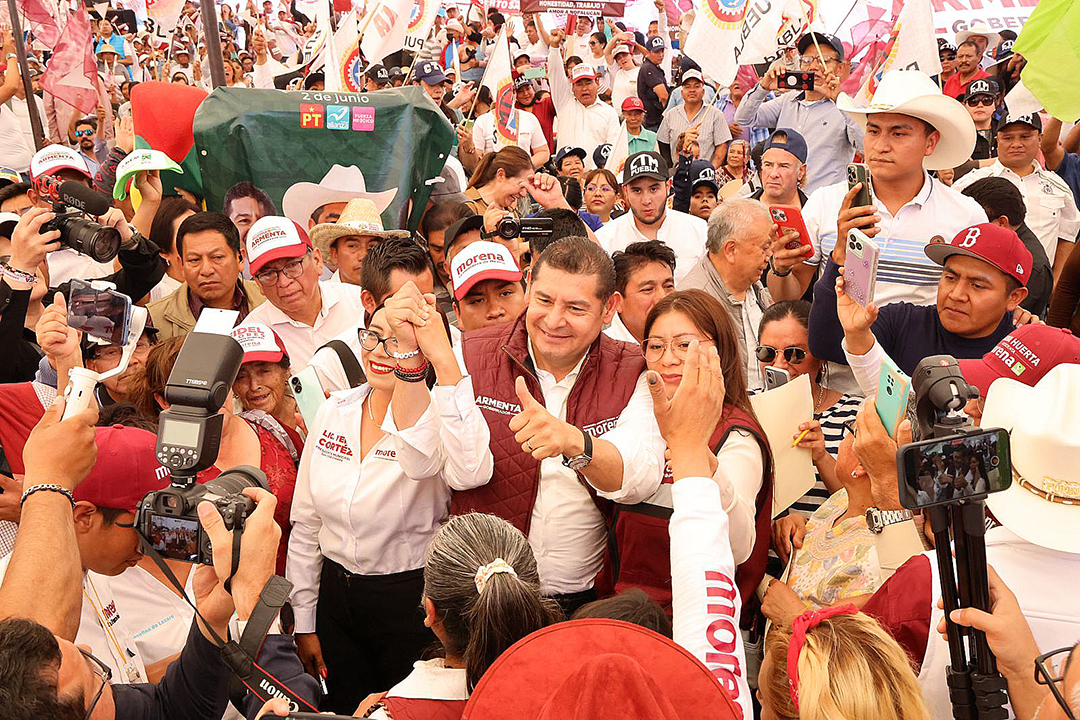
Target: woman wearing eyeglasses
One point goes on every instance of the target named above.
(601, 193)
(363, 516)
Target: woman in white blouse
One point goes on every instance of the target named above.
(363, 516)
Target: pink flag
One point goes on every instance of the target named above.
(42, 23)
(71, 75)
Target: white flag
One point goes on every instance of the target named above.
(499, 79)
(164, 13)
(715, 38)
(420, 23)
(385, 29)
(619, 152)
(781, 25)
(912, 46)
(342, 57)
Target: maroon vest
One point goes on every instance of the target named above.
(399, 708)
(643, 545)
(495, 356)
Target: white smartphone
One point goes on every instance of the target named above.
(860, 268)
(775, 377)
(308, 391)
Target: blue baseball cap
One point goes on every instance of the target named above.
(430, 73)
(703, 173)
(565, 152)
(601, 154)
(787, 139)
(654, 43)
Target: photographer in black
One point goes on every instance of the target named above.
(46, 676)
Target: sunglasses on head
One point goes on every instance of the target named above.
(767, 353)
(980, 100)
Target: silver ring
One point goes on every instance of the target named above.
(529, 445)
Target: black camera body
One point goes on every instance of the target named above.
(188, 440)
(84, 235)
(511, 227)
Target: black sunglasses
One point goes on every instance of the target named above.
(980, 100)
(767, 353)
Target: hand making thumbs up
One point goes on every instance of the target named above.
(540, 433)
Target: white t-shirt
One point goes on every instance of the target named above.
(623, 84)
(682, 232)
(16, 146)
(530, 133)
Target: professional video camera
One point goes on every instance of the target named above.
(189, 436)
(948, 472)
(71, 202)
(510, 227)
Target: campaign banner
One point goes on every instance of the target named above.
(592, 8)
(420, 23)
(506, 7)
(275, 139)
(952, 16)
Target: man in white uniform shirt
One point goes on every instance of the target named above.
(304, 312)
(643, 277)
(583, 120)
(1051, 208)
(645, 189)
(530, 136)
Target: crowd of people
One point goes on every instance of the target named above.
(487, 449)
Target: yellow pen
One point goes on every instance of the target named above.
(800, 438)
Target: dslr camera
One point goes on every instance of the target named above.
(71, 202)
(511, 227)
(188, 440)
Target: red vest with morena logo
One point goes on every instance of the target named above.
(400, 708)
(642, 556)
(495, 356)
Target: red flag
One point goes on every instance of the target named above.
(42, 24)
(71, 75)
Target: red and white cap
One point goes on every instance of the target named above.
(260, 343)
(272, 238)
(632, 102)
(619, 49)
(999, 246)
(126, 469)
(54, 158)
(582, 71)
(1026, 354)
(482, 260)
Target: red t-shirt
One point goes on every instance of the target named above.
(544, 110)
(954, 88)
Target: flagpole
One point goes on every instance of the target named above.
(24, 70)
(368, 17)
(812, 36)
(212, 37)
(476, 95)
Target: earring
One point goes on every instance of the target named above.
(853, 474)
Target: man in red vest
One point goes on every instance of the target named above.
(569, 417)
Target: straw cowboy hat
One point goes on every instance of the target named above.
(978, 28)
(360, 217)
(1043, 503)
(912, 92)
(340, 184)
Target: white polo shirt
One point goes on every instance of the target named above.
(682, 232)
(617, 330)
(341, 310)
(576, 124)
(905, 274)
(1051, 207)
(530, 134)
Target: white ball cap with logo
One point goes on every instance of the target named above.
(482, 260)
(53, 158)
(273, 238)
(260, 343)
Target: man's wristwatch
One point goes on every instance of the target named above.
(580, 462)
(877, 520)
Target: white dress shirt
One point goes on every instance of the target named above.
(617, 330)
(66, 264)
(530, 134)
(369, 515)
(1051, 208)
(341, 310)
(682, 232)
(577, 125)
(905, 274)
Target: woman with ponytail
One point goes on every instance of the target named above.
(481, 595)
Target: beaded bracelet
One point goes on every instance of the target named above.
(47, 487)
(17, 275)
(412, 375)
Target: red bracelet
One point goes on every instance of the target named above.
(412, 374)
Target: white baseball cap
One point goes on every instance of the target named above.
(482, 260)
(260, 343)
(582, 71)
(272, 238)
(53, 158)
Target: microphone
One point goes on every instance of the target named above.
(78, 195)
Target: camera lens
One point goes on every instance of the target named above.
(89, 238)
(508, 228)
(296, 385)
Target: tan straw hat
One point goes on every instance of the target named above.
(359, 217)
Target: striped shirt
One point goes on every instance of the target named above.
(832, 427)
(904, 274)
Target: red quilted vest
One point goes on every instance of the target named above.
(495, 356)
(643, 546)
(400, 708)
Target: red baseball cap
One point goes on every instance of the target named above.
(272, 238)
(582, 71)
(1026, 354)
(260, 343)
(605, 668)
(126, 469)
(999, 246)
(633, 102)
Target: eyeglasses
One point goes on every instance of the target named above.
(102, 671)
(369, 340)
(806, 61)
(1050, 670)
(292, 271)
(767, 353)
(981, 100)
(602, 188)
(653, 348)
(113, 352)
(84, 133)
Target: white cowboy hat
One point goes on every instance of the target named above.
(978, 28)
(360, 217)
(340, 184)
(912, 92)
(1043, 503)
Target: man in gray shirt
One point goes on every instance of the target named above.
(832, 136)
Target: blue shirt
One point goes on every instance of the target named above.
(1069, 170)
(645, 140)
